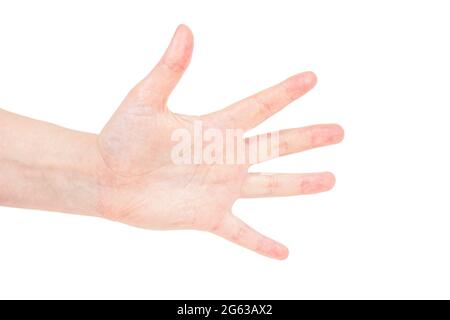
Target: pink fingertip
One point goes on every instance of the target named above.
(328, 180)
(300, 84)
(309, 78)
(281, 252)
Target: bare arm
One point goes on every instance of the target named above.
(43, 166)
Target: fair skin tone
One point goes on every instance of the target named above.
(126, 174)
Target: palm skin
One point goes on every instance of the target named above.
(145, 188)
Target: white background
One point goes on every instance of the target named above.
(384, 75)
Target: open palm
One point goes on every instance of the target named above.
(146, 188)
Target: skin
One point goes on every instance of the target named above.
(126, 174)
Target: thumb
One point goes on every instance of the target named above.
(156, 87)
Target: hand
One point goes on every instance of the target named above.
(143, 186)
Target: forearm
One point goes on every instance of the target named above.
(43, 166)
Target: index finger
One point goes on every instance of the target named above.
(248, 113)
